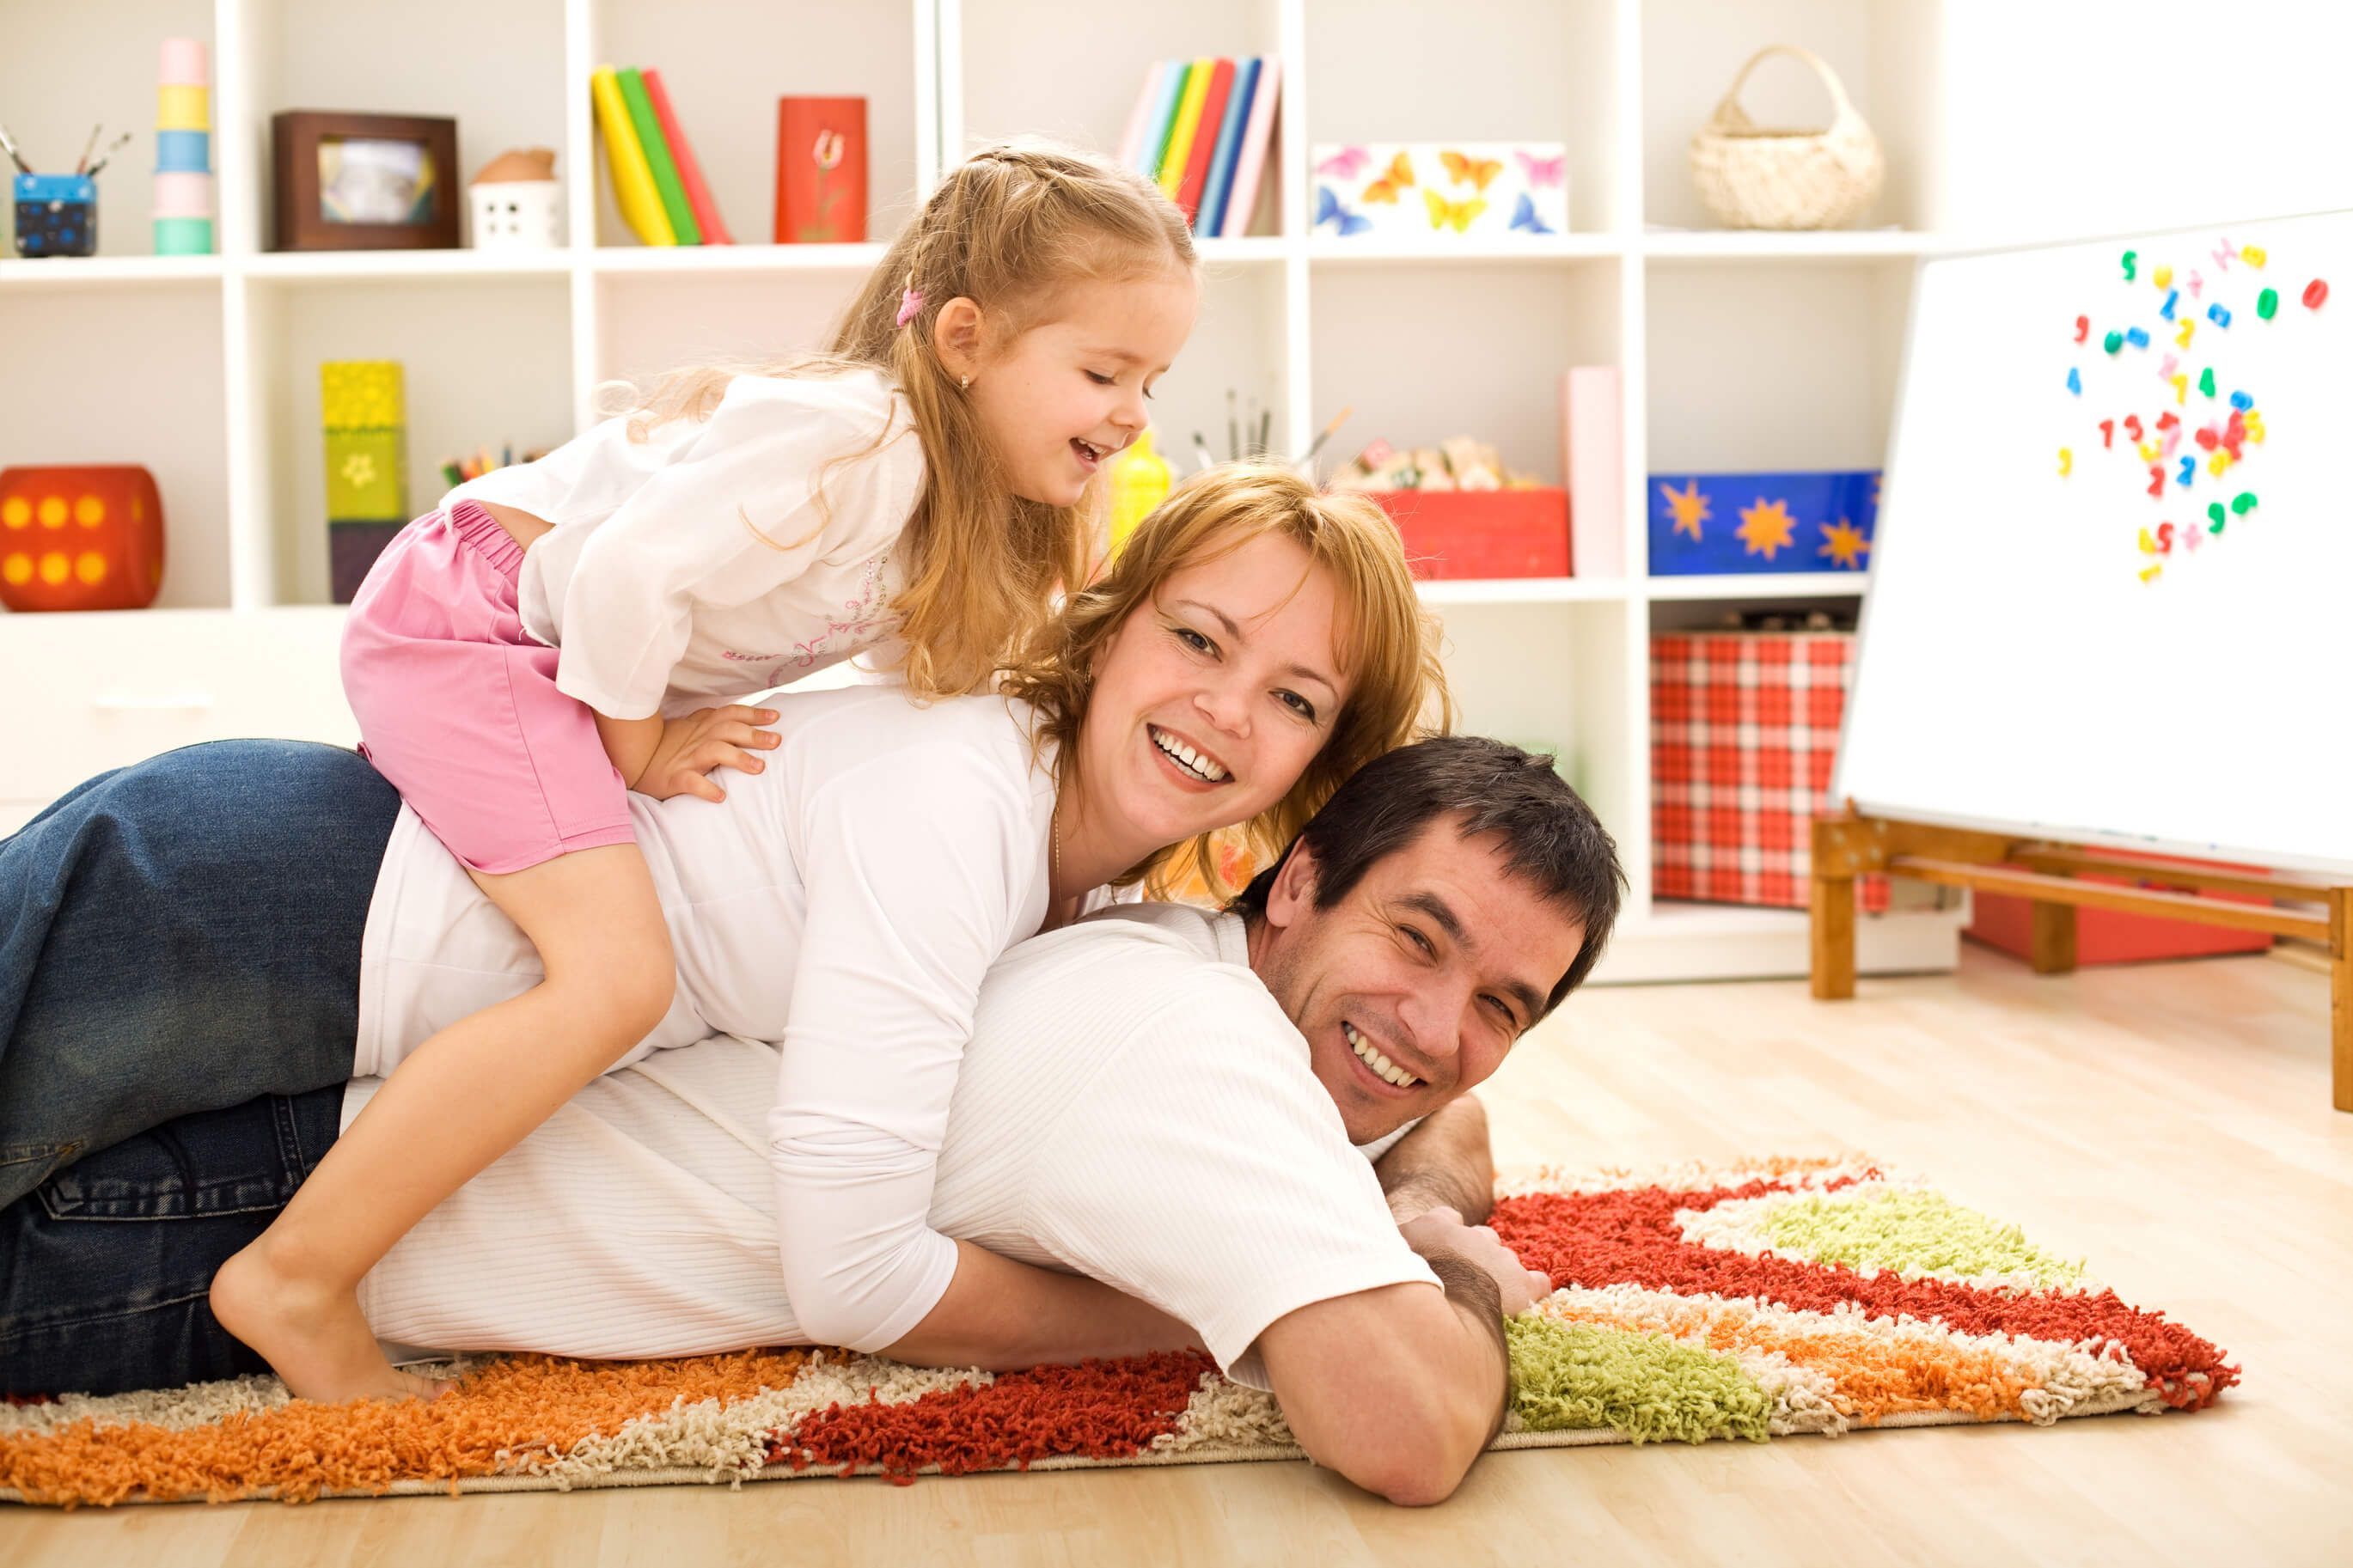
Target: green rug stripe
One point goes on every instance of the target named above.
(1573, 1375)
(1910, 1233)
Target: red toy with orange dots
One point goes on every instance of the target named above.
(88, 537)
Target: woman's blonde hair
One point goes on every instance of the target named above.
(1007, 229)
(1382, 637)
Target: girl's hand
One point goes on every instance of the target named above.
(706, 739)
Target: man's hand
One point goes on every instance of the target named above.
(1441, 1230)
(708, 738)
(1441, 1164)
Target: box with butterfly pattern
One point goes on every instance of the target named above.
(1438, 191)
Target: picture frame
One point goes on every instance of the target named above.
(365, 182)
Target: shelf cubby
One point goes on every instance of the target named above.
(484, 361)
(1402, 70)
(1774, 367)
(65, 68)
(67, 400)
(1886, 53)
(726, 62)
(496, 67)
(1428, 349)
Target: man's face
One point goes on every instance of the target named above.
(1413, 988)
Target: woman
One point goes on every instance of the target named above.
(1254, 644)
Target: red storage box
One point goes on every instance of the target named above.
(2112, 936)
(1744, 728)
(1481, 534)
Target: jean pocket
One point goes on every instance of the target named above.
(237, 1161)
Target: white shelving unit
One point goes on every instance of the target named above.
(1736, 349)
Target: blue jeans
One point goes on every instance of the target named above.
(105, 1271)
(181, 935)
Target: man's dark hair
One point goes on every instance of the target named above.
(1550, 836)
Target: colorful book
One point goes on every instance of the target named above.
(1220, 186)
(689, 173)
(1204, 138)
(1590, 450)
(1131, 140)
(1162, 119)
(1250, 164)
(1187, 124)
(665, 169)
(633, 178)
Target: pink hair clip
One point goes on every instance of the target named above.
(910, 301)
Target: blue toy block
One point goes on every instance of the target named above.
(184, 152)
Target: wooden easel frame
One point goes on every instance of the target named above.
(1851, 845)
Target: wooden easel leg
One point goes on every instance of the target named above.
(2051, 937)
(2340, 997)
(1833, 935)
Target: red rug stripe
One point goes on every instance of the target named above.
(1594, 1239)
(1103, 1410)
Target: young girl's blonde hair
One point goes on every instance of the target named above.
(1007, 229)
(1382, 637)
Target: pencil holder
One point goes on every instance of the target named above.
(57, 214)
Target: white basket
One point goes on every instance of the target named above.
(1786, 179)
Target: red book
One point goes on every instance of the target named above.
(821, 170)
(689, 173)
(1205, 140)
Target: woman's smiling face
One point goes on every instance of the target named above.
(1212, 699)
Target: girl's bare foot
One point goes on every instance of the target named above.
(313, 1335)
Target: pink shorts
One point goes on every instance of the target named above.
(457, 707)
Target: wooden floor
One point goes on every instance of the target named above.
(2170, 1123)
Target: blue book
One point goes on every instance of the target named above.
(1220, 183)
(1163, 120)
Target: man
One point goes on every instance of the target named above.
(1170, 1100)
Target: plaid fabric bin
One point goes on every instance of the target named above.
(1744, 728)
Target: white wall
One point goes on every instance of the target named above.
(2094, 116)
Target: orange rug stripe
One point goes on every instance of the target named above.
(299, 1450)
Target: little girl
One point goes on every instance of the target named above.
(558, 633)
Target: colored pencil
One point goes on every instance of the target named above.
(1188, 124)
(1250, 162)
(633, 178)
(665, 169)
(689, 171)
(1204, 138)
(1220, 186)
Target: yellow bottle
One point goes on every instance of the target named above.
(1139, 481)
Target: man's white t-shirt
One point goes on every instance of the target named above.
(1134, 1105)
(718, 556)
(920, 834)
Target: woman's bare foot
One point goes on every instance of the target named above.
(313, 1335)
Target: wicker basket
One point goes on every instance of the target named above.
(1786, 179)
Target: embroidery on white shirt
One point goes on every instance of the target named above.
(866, 619)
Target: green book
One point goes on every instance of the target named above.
(648, 128)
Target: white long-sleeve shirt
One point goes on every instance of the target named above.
(843, 904)
(721, 556)
(1134, 1106)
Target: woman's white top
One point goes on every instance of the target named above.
(842, 904)
(720, 556)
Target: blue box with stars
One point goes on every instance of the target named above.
(1704, 524)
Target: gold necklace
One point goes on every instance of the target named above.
(1054, 854)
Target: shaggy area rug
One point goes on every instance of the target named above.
(1758, 1301)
